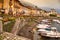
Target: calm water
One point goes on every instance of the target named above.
(57, 25)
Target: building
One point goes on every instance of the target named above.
(53, 11)
(0, 5)
(8, 5)
(1, 2)
(58, 15)
(16, 7)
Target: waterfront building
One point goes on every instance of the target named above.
(0, 5)
(53, 11)
(14, 7)
(9, 6)
(6, 6)
(58, 15)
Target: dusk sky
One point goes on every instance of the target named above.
(45, 3)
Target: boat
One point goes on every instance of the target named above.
(46, 21)
(58, 21)
(42, 26)
(48, 31)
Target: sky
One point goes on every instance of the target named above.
(45, 3)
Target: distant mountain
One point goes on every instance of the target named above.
(26, 3)
(32, 5)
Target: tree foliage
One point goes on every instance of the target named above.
(53, 15)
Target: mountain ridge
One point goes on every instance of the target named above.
(43, 8)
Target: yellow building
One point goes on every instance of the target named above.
(6, 5)
(1, 1)
(10, 5)
(0, 5)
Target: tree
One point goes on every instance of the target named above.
(53, 15)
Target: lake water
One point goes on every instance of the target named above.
(57, 25)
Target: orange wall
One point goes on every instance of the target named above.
(0, 5)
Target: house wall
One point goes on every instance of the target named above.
(0, 5)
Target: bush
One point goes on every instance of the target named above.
(5, 19)
(11, 18)
(1, 38)
(8, 27)
(53, 15)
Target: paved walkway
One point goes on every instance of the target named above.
(18, 25)
(10, 36)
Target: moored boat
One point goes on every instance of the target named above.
(58, 21)
(48, 31)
